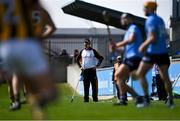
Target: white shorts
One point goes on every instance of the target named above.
(23, 57)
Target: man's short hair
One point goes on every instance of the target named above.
(151, 5)
(118, 57)
(87, 41)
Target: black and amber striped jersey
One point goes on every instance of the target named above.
(16, 19)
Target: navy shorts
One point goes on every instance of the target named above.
(132, 63)
(159, 59)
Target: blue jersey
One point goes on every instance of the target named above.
(155, 24)
(131, 50)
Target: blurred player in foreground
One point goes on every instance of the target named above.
(21, 51)
(155, 51)
(132, 58)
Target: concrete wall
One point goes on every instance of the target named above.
(105, 86)
(73, 73)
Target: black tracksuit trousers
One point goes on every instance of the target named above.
(162, 94)
(90, 77)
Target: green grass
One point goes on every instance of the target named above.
(63, 109)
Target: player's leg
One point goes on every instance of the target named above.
(141, 74)
(122, 75)
(163, 70)
(10, 90)
(41, 91)
(25, 92)
(16, 92)
(35, 73)
(8, 55)
(13, 91)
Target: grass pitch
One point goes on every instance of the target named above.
(63, 109)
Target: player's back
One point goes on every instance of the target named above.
(16, 19)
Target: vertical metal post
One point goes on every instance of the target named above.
(178, 9)
(174, 9)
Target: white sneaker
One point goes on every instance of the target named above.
(15, 106)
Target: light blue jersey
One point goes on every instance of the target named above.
(155, 24)
(131, 50)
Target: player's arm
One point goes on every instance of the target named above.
(47, 23)
(125, 42)
(49, 27)
(151, 28)
(149, 40)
